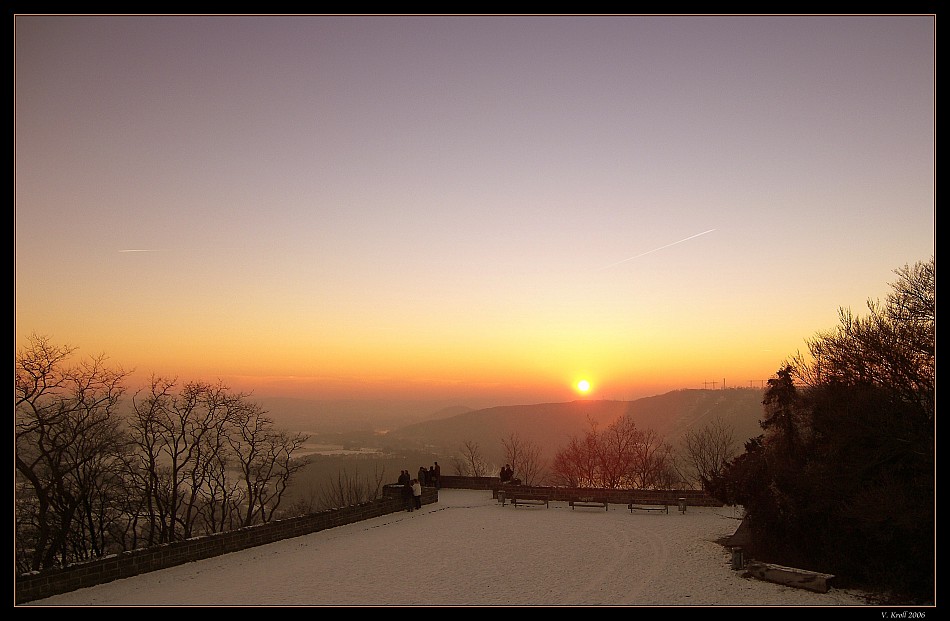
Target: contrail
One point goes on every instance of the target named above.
(142, 250)
(643, 254)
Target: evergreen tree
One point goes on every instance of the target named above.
(842, 480)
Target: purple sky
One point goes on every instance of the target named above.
(480, 206)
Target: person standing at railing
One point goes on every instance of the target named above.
(417, 493)
(407, 495)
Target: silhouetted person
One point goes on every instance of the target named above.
(437, 479)
(424, 476)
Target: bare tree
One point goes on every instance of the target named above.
(471, 460)
(652, 462)
(68, 452)
(577, 465)
(669, 476)
(525, 458)
(708, 450)
(89, 482)
(308, 499)
(351, 489)
(190, 444)
(264, 458)
(174, 430)
(459, 465)
(621, 456)
(566, 468)
(894, 347)
(618, 450)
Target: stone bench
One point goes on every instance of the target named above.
(790, 576)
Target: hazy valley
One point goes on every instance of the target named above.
(365, 437)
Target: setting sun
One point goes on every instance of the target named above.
(583, 385)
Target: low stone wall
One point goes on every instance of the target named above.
(456, 482)
(46, 583)
(37, 585)
(692, 497)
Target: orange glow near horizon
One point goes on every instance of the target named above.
(473, 367)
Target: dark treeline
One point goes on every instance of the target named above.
(842, 478)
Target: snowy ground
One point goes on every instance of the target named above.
(468, 550)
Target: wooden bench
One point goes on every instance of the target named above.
(529, 499)
(635, 506)
(587, 502)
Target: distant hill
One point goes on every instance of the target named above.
(346, 416)
(552, 425)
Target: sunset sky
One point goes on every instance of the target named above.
(481, 208)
